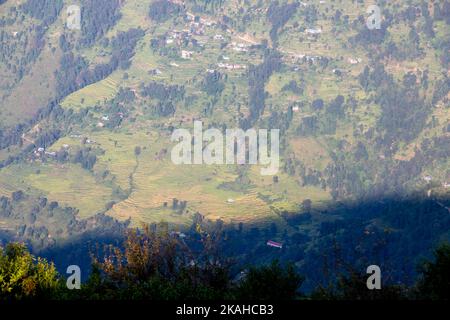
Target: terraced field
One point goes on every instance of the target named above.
(323, 64)
(70, 185)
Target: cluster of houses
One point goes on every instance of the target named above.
(40, 152)
(178, 37)
(198, 25)
(197, 28)
(299, 58)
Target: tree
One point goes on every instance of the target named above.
(161, 10)
(213, 83)
(317, 104)
(22, 276)
(354, 287)
(154, 263)
(307, 205)
(435, 280)
(273, 282)
(137, 151)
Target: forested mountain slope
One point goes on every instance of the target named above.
(86, 118)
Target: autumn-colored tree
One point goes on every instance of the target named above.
(155, 263)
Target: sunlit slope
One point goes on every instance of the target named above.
(142, 186)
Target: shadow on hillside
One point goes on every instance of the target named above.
(394, 234)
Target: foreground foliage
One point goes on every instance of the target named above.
(23, 276)
(156, 264)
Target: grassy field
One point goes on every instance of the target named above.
(68, 184)
(153, 180)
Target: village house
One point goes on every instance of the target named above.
(239, 47)
(312, 59)
(338, 72)
(179, 37)
(197, 28)
(274, 244)
(186, 54)
(229, 66)
(354, 61)
(178, 2)
(313, 31)
(154, 72)
(178, 234)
